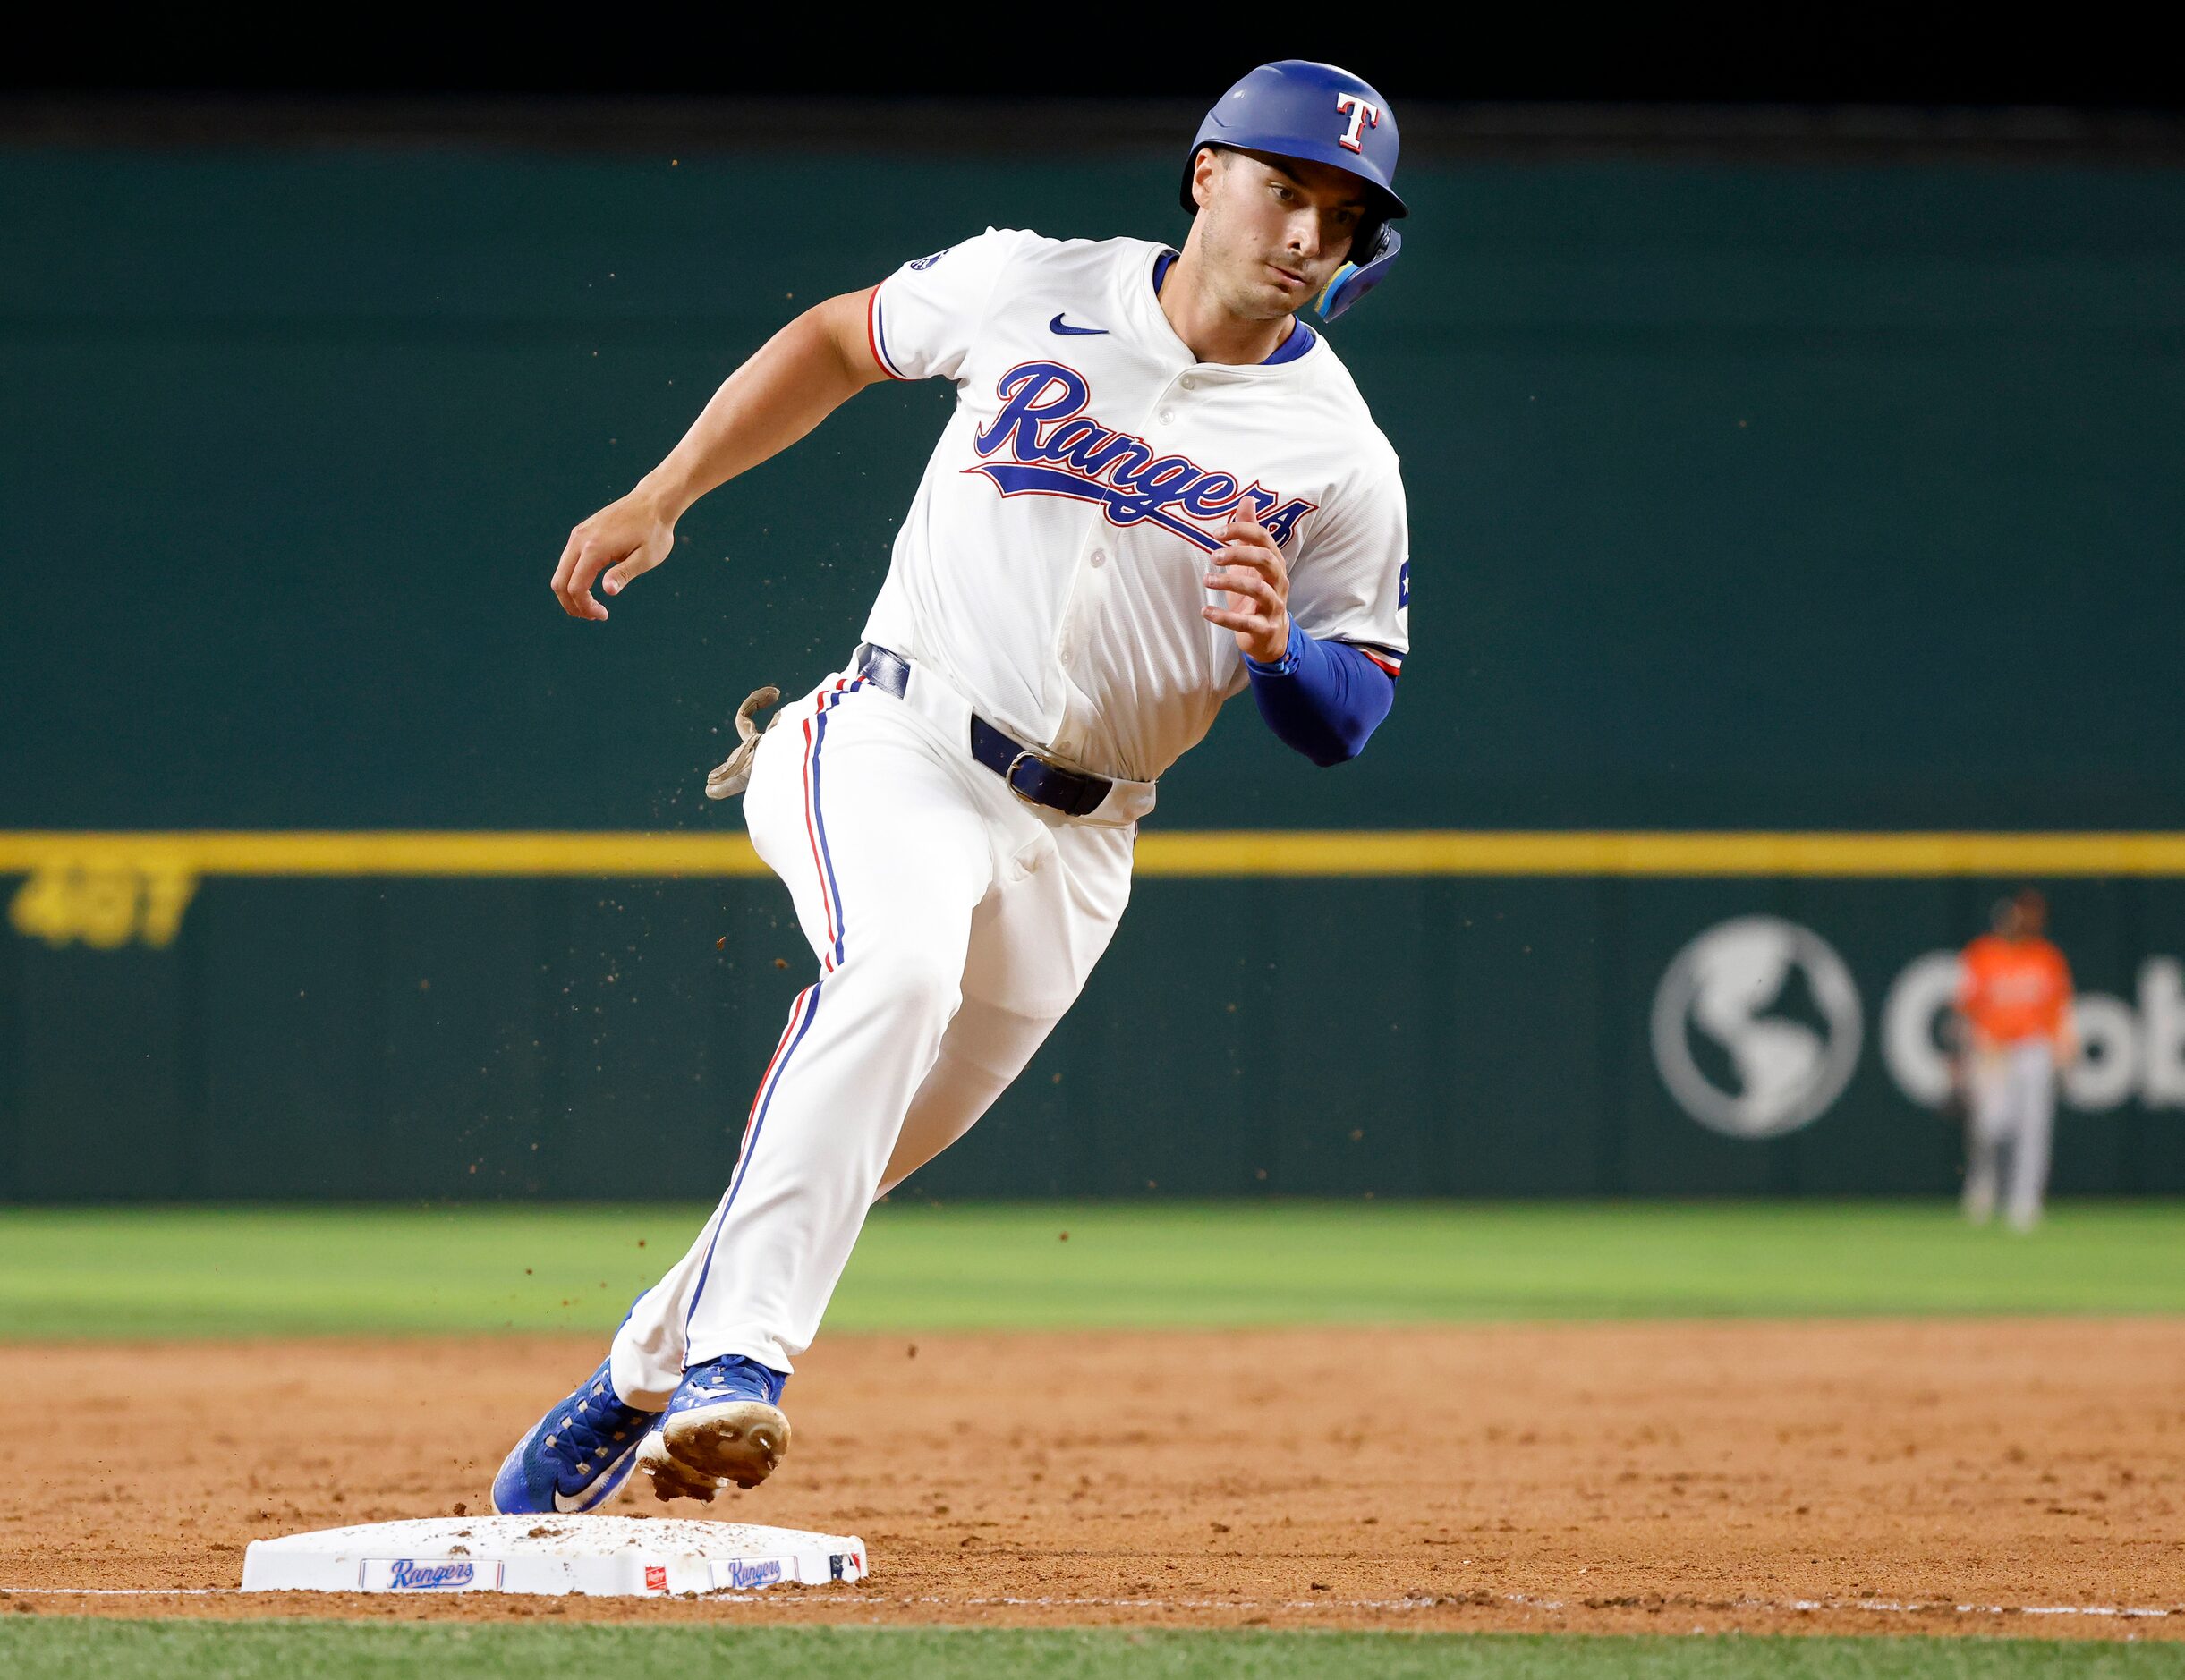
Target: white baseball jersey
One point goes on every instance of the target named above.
(1052, 565)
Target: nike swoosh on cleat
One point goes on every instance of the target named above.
(570, 1502)
(1057, 325)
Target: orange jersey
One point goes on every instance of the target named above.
(2014, 989)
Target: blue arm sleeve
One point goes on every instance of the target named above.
(1323, 699)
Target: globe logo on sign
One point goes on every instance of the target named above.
(1757, 1027)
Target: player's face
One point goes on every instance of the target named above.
(1273, 230)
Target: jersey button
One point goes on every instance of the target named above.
(1188, 383)
(1099, 558)
(1168, 415)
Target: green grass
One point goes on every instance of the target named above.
(94, 1649)
(134, 1272)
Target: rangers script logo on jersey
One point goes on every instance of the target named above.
(1058, 453)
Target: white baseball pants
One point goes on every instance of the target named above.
(2013, 1113)
(953, 924)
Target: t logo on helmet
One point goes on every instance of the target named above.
(1364, 114)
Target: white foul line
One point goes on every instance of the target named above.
(1421, 1602)
(117, 1592)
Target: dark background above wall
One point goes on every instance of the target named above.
(1741, 496)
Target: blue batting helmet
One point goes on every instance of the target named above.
(1296, 108)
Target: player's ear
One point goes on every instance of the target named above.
(1205, 167)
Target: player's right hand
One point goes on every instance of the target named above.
(625, 539)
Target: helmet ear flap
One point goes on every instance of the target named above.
(1354, 280)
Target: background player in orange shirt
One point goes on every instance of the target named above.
(2014, 1000)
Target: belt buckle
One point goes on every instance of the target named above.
(1008, 779)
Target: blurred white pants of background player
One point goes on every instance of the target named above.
(955, 924)
(2013, 1118)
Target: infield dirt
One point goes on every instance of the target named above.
(1654, 1477)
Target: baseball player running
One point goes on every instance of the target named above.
(2014, 1000)
(1158, 486)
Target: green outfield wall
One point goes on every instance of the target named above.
(1254, 1035)
(1755, 499)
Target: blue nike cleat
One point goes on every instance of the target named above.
(724, 1421)
(576, 1456)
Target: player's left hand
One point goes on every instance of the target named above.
(1255, 580)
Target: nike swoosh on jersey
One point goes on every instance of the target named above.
(1059, 326)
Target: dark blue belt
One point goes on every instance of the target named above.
(1028, 775)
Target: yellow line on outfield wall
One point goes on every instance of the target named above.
(1212, 852)
(1456, 852)
(430, 852)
